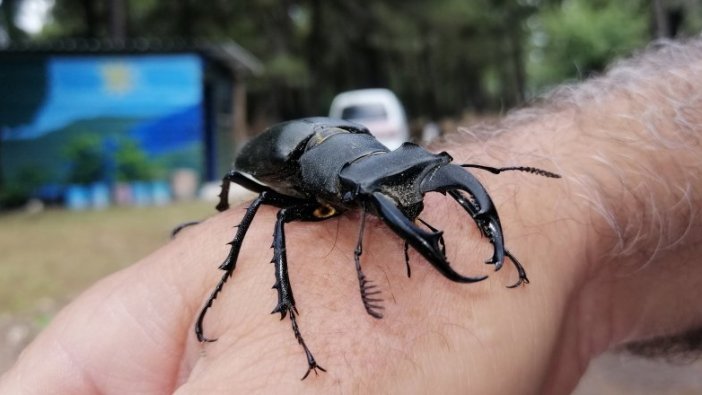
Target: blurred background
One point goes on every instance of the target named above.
(118, 116)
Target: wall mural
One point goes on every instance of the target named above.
(100, 121)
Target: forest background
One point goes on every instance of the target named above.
(443, 58)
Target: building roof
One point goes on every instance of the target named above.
(227, 53)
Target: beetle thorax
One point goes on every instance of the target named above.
(326, 157)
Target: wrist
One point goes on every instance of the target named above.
(629, 199)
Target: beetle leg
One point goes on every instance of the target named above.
(239, 178)
(369, 290)
(182, 226)
(406, 250)
(232, 176)
(286, 301)
(229, 263)
(426, 243)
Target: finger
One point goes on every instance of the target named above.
(130, 332)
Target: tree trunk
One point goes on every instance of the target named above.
(660, 19)
(9, 11)
(117, 15)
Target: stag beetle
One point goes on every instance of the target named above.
(317, 168)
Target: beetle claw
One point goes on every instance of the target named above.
(520, 281)
(426, 243)
(313, 367)
(282, 312)
(498, 264)
(523, 279)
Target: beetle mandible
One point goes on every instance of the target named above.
(317, 168)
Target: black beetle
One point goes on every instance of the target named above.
(318, 168)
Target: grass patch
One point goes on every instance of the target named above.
(56, 254)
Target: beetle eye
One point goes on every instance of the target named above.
(324, 211)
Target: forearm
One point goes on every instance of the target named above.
(628, 146)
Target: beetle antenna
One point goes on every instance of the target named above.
(526, 169)
(369, 291)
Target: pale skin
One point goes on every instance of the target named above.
(612, 251)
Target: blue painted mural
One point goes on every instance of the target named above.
(86, 119)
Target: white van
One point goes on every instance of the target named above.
(377, 109)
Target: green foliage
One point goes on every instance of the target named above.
(288, 69)
(19, 188)
(85, 155)
(41, 152)
(132, 164)
(579, 37)
(441, 57)
(9, 10)
(13, 195)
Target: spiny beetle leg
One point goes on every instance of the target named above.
(369, 291)
(311, 362)
(286, 301)
(233, 176)
(224, 191)
(229, 263)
